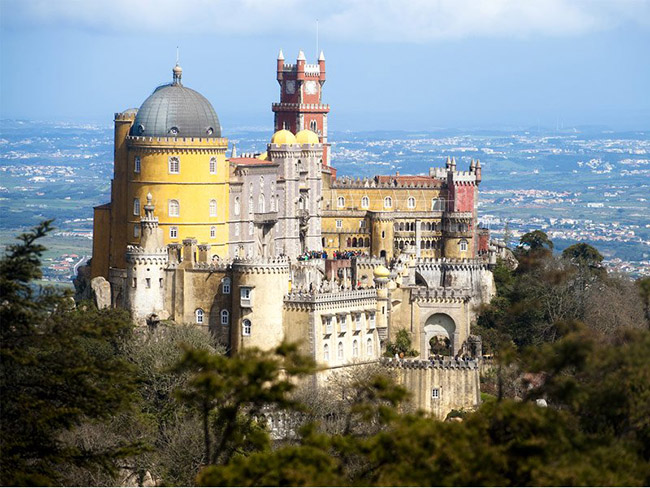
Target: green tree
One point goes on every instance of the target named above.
(401, 346)
(583, 254)
(61, 366)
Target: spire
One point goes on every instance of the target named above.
(472, 165)
(233, 153)
(280, 56)
(321, 57)
(301, 56)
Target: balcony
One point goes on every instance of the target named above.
(265, 218)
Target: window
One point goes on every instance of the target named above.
(261, 203)
(174, 165)
(237, 205)
(250, 205)
(213, 165)
(198, 314)
(246, 327)
(225, 317)
(340, 202)
(463, 245)
(213, 232)
(174, 208)
(438, 204)
(147, 282)
(173, 232)
(251, 228)
(362, 224)
(213, 208)
(136, 164)
(388, 202)
(435, 393)
(237, 226)
(365, 202)
(339, 224)
(328, 325)
(136, 206)
(344, 323)
(411, 202)
(134, 284)
(313, 125)
(245, 296)
(160, 282)
(225, 287)
(340, 350)
(369, 347)
(136, 231)
(358, 321)
(383, 234)
(355, 348)
(326, 352)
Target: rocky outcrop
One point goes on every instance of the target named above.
(101, 292)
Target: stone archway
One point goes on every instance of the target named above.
(441, 326)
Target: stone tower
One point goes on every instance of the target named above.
(300, 105)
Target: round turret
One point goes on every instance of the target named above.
(283, 137)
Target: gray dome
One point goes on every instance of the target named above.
(176, 111)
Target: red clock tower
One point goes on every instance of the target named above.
(300, 104)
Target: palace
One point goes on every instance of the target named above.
(273, 246)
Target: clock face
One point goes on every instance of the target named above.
(311, 87)
(290, 87)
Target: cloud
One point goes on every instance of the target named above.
(410, 21)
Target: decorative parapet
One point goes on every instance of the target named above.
(216, 265)
(369, 261)
(441, 294)
(374, 182)
(445, 363)
(303, 107)
(448, 263)
(458, 215)
(219, 143)
(328, 299)
(138, 255)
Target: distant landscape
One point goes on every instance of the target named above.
(577, 184)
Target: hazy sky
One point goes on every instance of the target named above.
(390, 64)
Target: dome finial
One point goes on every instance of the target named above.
(177, 71)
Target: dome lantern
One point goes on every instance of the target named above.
(177, 74)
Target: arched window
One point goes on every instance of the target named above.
(225, 317)
(367, 241)
(213, 165)
(340, 202)
(226, 286)
(136, 230)
(246, 327)
(463, 245)
(313, 125)
(388, 202)
(174, 208)
(326, 352)
(136, 165)
(355, 348)
(198, 314)
(237, 205)
(261, 203)
(411, 202)
(354, 242)
(136, 206)
(340, 350)
(174, 164)
(365, 202)
(250, 205)
(213, 232)
(369, 347)
(213, 208)
(251, 228)
(438, 204)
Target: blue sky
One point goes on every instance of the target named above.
(390, 64)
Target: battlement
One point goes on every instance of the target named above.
(178, 142)
(125, 116)
(141, 250)
(444, 363)
(453, 294)
(272, 265)
(370, 261)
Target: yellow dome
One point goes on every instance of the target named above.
(307, 137)
(283, 137)
(381, 271)
(264, 156)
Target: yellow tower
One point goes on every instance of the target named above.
(171, 148)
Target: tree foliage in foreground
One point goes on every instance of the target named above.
(59, 368)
